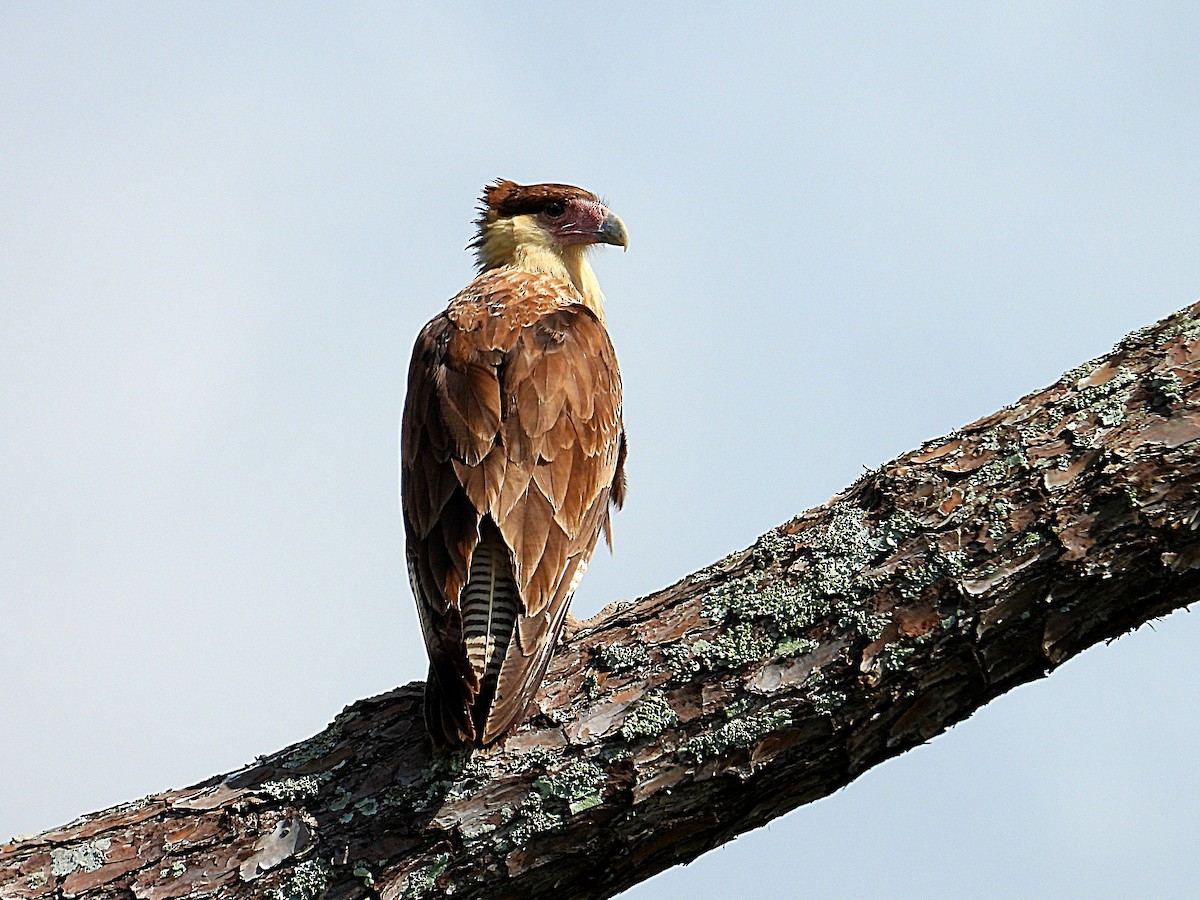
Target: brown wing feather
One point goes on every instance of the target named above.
(513, 413)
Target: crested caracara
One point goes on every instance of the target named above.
(512, 451)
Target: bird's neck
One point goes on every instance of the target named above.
(520, 243)
(585, 281)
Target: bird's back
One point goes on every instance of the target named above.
(510, 454)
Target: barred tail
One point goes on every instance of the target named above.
(489, 602)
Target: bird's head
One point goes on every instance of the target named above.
(541, 226)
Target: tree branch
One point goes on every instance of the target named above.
(977, 563)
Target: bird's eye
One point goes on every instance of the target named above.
(555, 208)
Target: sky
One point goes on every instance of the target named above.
(854, 227)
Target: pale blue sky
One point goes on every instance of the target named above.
(853, 227)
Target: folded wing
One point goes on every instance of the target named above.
(511, 452)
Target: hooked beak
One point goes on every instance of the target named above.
(612, 231)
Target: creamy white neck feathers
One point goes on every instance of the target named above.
(521, 243)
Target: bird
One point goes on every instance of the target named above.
(512, 456)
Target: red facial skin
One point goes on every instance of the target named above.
(585, 222)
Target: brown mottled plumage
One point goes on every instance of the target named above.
(512, 450)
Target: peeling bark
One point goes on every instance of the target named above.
(848, 635)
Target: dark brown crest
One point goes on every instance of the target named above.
(507, 198)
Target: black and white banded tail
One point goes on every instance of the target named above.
(489, 603)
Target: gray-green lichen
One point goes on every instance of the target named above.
(1029, 432)
(317, 746)
(530, 818)
(680, 660)
(826, 701)
(37, 880)
(1182, 325)
(473, 832)
(1129, 492)
(1107, 402)
(85, 857)
(829, 702)
(578, 784)
(1031, 540)
(998, 469)
(1186, 328)
(869, 624)
(305, 882)
(719, 567)
(174, 870)
(897, 653)
(742, 730)
(1135, 337)
(536, 758)
(447, 778)
(791, 606)
(291, 789)
(616, 657)
(590, 685)
(1130, 342)
(770, 616)
(421, 882)
(560, 715)
(651, 716)
(1081, 371)
(737, 645)
(444, 779)
(1166, 387)
(795, 646)
(937, 565)
(843, 534)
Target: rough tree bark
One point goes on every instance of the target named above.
(857, 630)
